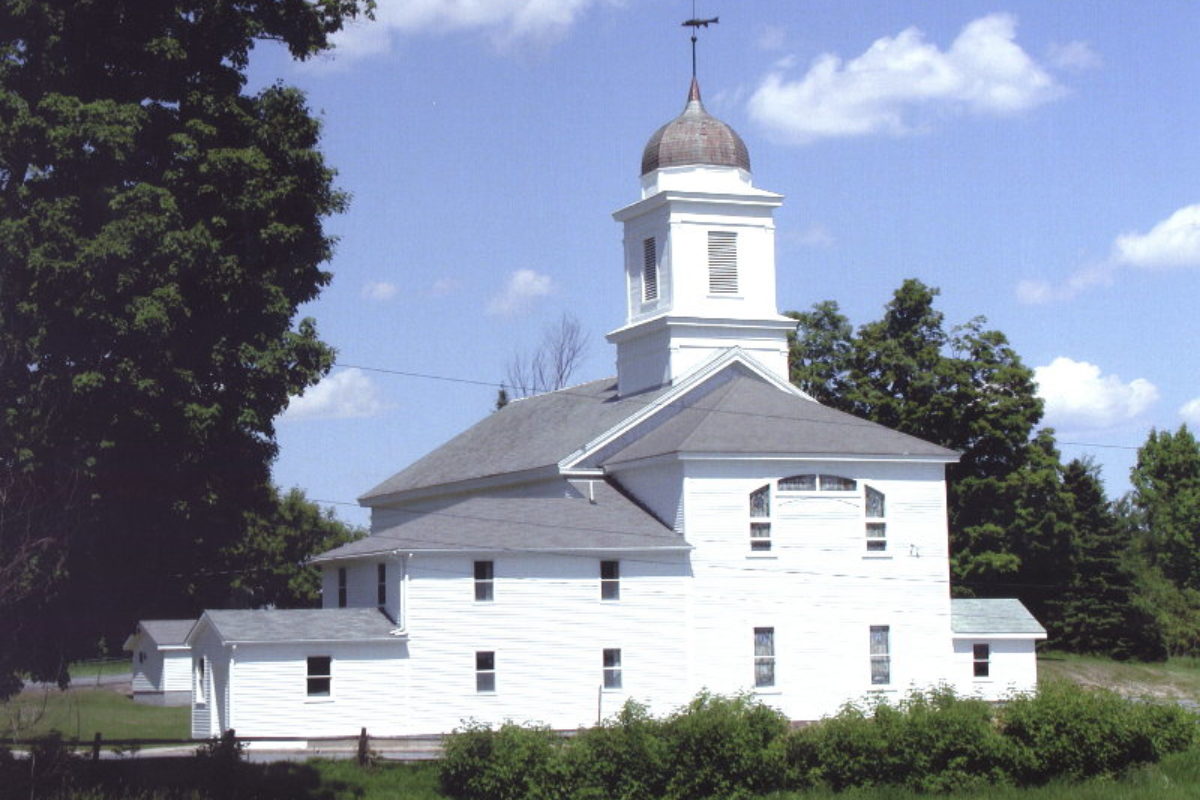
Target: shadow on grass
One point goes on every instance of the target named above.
(170, 778)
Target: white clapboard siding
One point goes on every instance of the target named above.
(176, 670)
(1012, 667)
(148, 668)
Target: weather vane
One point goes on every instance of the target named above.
(695, 23)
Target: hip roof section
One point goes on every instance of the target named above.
(982, 616)
(269, 626)
(557, 516)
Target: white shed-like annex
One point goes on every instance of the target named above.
(161, 662)
(994, 643)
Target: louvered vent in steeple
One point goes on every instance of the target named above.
(722, 262)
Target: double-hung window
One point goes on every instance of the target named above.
(320, 676)
(381, 586)
(876, 526)
(881, 655)
(485, 581)
(342, 590)
(760, 519)
(612, 668)
(485, 670)
(201, 680)
(610, 580)
(981, 658)
(764, 657)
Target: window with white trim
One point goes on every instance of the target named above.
(610, 580)
(722, 262)
(612, 667)
(764, 657)
(201, 680)
(381, 586)
(876, 525)
(342, 591)
(485, 581)
(760, 519)
(981, 659)
(881, 655)
(485, 670)
(320, 676)
(649, 270)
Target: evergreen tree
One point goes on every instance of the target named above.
(1101, 611)
(159, 229)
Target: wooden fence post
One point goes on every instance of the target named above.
(364, 750)
(96, 747)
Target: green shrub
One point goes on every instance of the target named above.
(1067, 730)
(513, 762)
(724, 747)
(624, 758)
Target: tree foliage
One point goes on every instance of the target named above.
(1166, 490)
(159, 229)
(268, 564)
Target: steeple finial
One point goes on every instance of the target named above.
(695, 23)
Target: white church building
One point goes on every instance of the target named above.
(695, 523)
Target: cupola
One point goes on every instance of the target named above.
(699, 257)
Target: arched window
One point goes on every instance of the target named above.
(817, 483)
(875, 521)
(760, 519)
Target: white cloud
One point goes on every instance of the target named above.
(444, 286)
(1076, 393)
(771, 37)
(1190, 411)
(815, 235)
(901, 81)
(1078, 56)
(379, 291)
(523, 287)
(505, 22)
(1174, 242)
(341, 395)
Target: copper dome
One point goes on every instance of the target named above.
(695, 137)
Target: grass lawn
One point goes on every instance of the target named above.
(1177, 679)
(80, 713)
(81, 671)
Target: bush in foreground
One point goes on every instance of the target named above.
(736, 747)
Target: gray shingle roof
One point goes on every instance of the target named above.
(993, 615)
(166, 632)
(524, 435)
(301, 625)
(748, 415)
(561, 515)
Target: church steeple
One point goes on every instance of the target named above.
(699, 256)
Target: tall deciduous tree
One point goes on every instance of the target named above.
(269, 565)
(1166, 490)
(158, 230)
(550, 365)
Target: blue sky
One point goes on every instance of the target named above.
(1036, 161)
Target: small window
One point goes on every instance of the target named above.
(341, 587)
(876, 527)
(764, 657)
(141, 656)
(814, 483)
(649, 270)
(320, 676)
(836, 483)
(612, 668)
(485, 671)
(610, 580)
(381, 586)
(981, 655)
(881, 655)
(760, 519)
(485, 581)
(722, 262)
